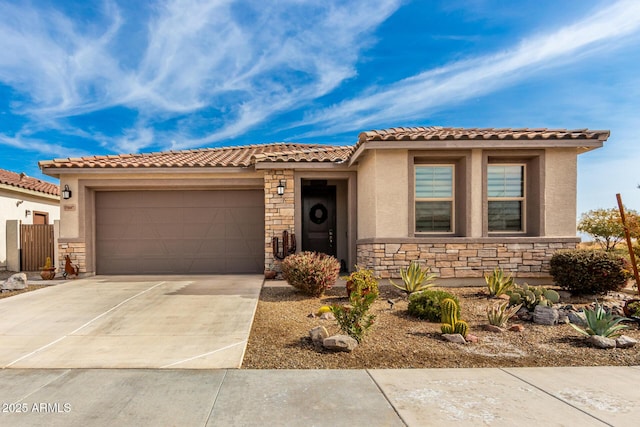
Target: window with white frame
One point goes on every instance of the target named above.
(434, 198)
(506, 197)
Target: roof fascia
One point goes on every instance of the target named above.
(303, 165)
(33, 193)
(56, 172)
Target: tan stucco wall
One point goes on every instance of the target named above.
(367, 196)
(383, 208)
(560, 192)
(475, 182)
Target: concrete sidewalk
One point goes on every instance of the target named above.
(593, 396)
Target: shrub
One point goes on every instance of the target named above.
(415, 278)
(426, 304)
(361, 280)
(354, 319)
(311, 272)
(634, 309)
(588, 272)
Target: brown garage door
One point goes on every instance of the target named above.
(179, 232)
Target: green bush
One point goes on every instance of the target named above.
(588, 272)
(311, 272)
(354, 319)
(426, 304)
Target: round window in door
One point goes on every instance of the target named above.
(318, 213)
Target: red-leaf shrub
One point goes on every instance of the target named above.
(311, 272)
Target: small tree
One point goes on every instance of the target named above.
(605, 226)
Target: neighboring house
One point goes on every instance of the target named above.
(25, 199)
(462, 200)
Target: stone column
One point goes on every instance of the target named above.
(279, 210)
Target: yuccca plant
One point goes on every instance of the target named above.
(601, 323)
(498, 283)
(415, 278)
(499, 314)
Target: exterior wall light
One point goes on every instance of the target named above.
(66, 193)
(281, 187)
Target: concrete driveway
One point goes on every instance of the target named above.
(193, 322)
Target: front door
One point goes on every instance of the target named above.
(319, 219)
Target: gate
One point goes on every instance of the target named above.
(36, 243)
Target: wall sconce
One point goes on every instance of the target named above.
(281, 187)
(66, 193)
(27, 212)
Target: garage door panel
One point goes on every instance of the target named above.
(147, 232)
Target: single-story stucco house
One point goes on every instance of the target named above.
(461, 200)
(23, 200)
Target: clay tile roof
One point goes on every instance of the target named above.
(20, 180)
(240, 156)
(325, 153)
(438, 133)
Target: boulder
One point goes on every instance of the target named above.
(471, 338)
(454, 338)
(493, 328)
(340, 343)
(624, 341)
(578, 318)
(318, 334)
(15, 282)
(516, 328)
(544, 315)
(327, 316)
(601, 342)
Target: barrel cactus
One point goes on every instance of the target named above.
(450, 322)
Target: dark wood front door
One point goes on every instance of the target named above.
(319, 219)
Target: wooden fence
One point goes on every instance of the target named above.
(36, 243)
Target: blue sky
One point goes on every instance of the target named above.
(82, 77)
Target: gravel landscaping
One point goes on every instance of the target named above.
(280, 336)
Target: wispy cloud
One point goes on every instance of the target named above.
(438, 88)
(247, 62)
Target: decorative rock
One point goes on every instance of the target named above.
(340, 343)
(15, 282)
(471, 338)
(544, 315)
(327, 316)
(311, 315)
(516, 328)
(454, 338)
(601, 342)
(624, 341)
(493, 328)
(318, 334)
(524, 314)
(563, 318)
(577, 318)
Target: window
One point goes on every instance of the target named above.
(506, 198)
(434, 198)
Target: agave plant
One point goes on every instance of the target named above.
(601, 323)
(499, 314)
(415, 278)
(498, 283)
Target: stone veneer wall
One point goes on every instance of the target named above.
(461, 260)
(76, 252)
(278, 210)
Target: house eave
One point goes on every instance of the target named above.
(17, 191)
(583, 145)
